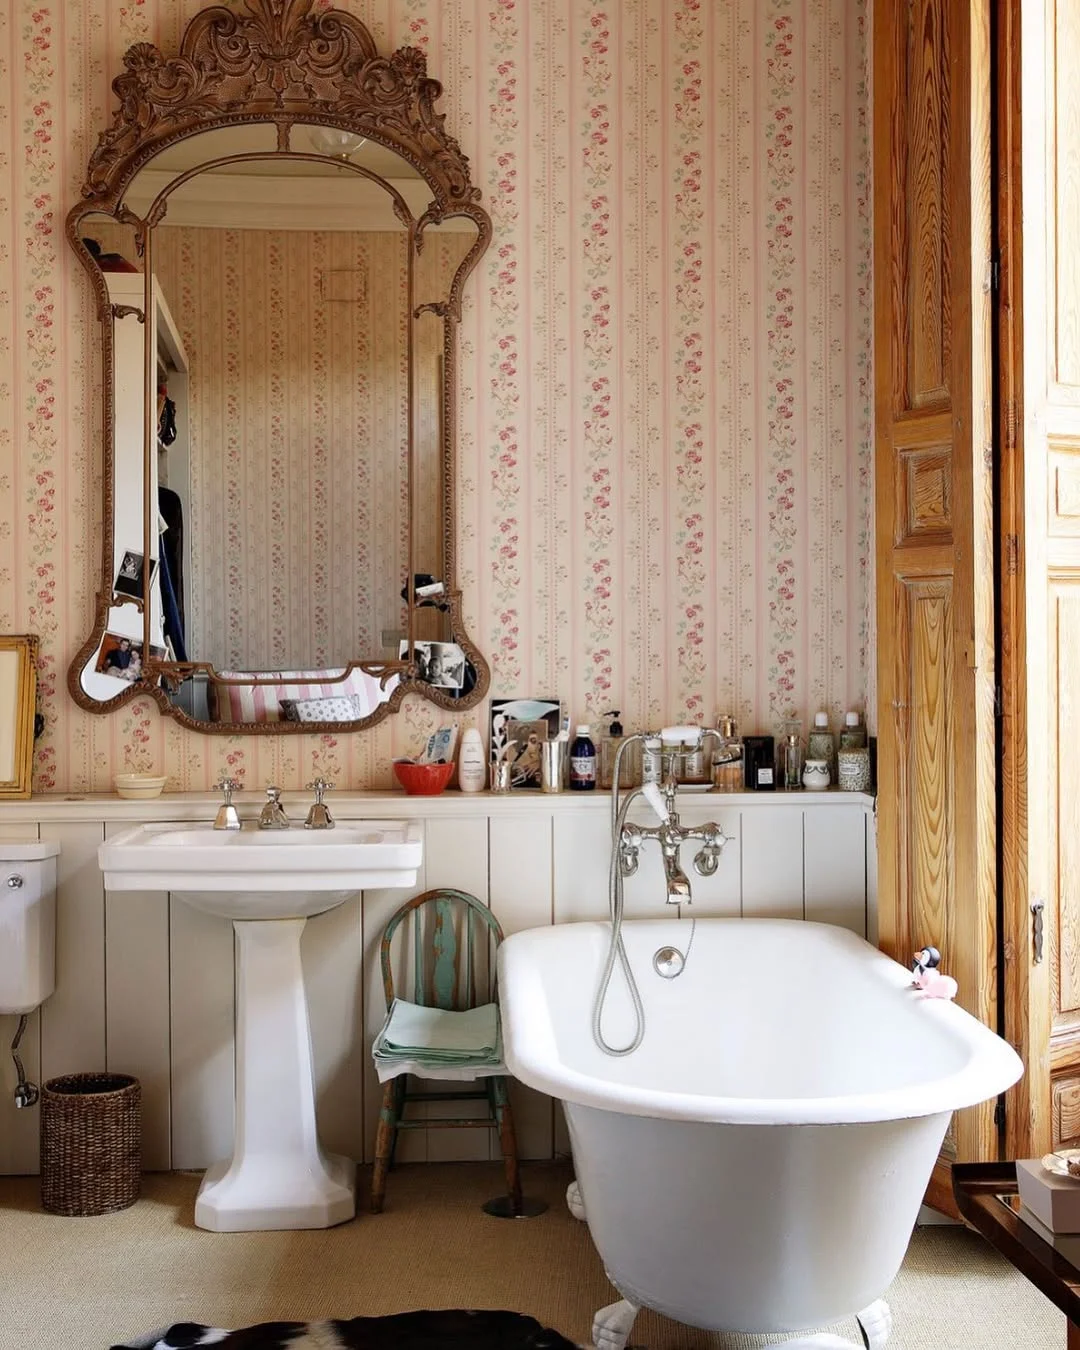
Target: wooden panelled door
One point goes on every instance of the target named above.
(937, 819)
(1039, 136)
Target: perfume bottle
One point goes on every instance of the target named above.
(727, 760)
(791, 758)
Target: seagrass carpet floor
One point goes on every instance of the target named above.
(84, 1284)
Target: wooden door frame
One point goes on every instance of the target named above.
(1022, 1107)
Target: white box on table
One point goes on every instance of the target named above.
(1054, 1200)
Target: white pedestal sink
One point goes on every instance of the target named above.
(269, 883)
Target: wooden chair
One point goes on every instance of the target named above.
(443, 980)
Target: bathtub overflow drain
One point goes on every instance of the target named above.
(668, 962)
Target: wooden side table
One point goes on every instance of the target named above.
(986, 1196)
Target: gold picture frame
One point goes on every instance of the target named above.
(18, 691)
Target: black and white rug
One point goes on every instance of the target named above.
(447, 1330)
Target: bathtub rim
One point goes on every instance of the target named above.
(531, 1052)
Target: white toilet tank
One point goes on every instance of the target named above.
(27, 924)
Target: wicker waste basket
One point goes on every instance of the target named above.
(90, 1143)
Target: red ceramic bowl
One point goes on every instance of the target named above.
(423, 780)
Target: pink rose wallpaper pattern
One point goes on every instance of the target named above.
(664, 479)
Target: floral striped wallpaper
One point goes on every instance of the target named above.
(664, 483)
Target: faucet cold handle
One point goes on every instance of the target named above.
(228, 786)
(319, 817)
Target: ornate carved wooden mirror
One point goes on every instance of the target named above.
(278, 227)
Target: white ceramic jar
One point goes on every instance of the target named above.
(815, 775)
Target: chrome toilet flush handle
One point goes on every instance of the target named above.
(227, 817)
(319, 817)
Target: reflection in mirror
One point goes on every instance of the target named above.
(443, 250)
(118, 658)
(283, 440)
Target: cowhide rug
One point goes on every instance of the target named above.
(453, 1330)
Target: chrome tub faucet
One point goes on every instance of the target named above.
(669, 833)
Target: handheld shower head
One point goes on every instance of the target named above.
(652, 794)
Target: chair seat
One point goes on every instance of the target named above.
(444, 1073)
(439, 1043)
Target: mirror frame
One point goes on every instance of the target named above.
(280, 64)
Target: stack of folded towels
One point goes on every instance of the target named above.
(414, 1038)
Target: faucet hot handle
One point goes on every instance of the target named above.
(273, 793)
(320, 786)
(228, 786)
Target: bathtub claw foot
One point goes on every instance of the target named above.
(611, 1325)
(875, 1323)
(574, 1202)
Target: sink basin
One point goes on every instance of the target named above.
(294, 865)
(269, 882)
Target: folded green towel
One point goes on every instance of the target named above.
(440, 1037)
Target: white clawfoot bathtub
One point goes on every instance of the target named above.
(758, 1164)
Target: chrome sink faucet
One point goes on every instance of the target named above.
(227, 817)
(319, 817)
(670, 833)
(272, 816)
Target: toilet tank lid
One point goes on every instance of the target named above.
(27, 850)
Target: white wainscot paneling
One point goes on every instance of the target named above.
(73, 1019)
(772, 862)
(521, 897)
(834, 854)
(137, 1007)
(146, 983)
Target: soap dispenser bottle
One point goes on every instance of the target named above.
(629, 770)
(727, 760)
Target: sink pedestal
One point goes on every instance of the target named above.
(278, 1176)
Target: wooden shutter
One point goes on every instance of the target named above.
(934, 470)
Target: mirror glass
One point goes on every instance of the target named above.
(298, 342)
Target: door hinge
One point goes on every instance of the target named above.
(1012, 554)
(999, 1113)
(995, 271)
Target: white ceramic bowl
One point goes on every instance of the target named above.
(139, 786)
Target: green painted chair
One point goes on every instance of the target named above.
(445, 977)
